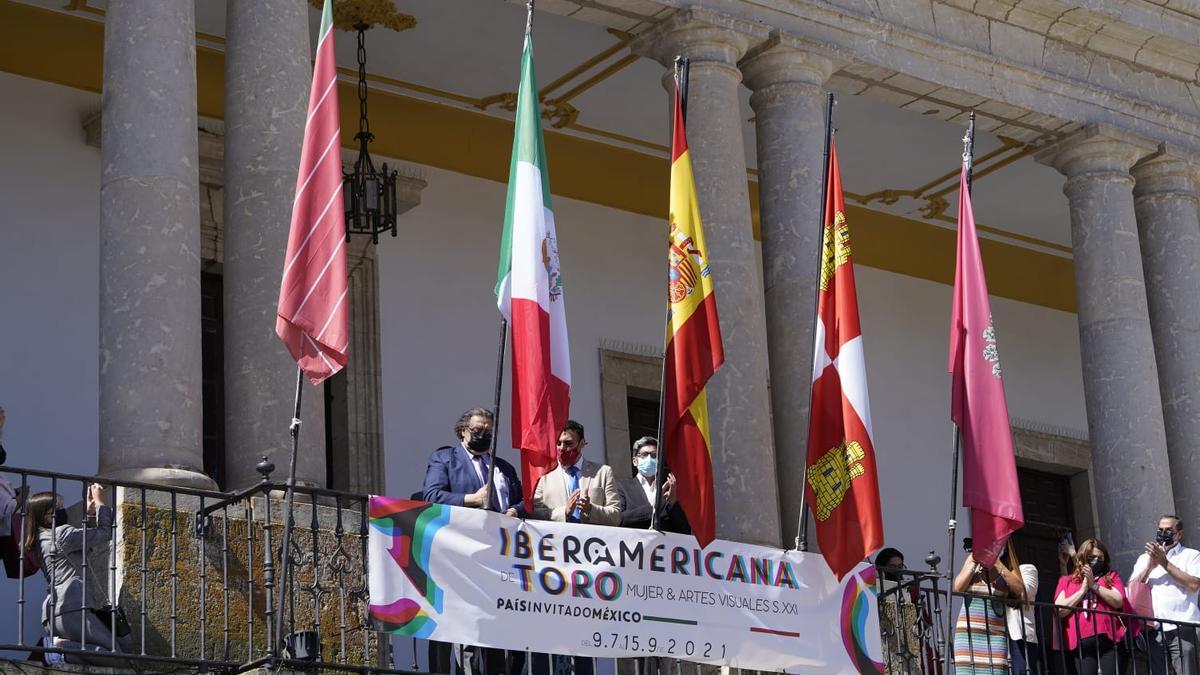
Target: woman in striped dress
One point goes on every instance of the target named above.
(981, 634)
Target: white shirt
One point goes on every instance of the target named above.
(501, 484)
(648, 487)
(1172, 600)
(1029, 575)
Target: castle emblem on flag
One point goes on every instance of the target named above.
(830, 476)
(836, 248)
(687, 264)
(550, 261)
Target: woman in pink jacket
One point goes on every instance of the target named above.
(1093, 636)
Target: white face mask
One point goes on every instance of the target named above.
(647, 465)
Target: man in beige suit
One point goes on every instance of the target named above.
(578, 490)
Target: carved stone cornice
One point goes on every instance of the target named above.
(348, 13)
(1170, 173)
(786, 60)
(1044, 73)
(1096, 150)
(701, 34)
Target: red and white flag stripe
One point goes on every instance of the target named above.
(312, 318)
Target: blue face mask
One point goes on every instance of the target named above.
(647, 465)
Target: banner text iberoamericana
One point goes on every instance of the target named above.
(591, 581)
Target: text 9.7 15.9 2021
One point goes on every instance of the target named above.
(653, 645)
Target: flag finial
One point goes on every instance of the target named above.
(528, 17)
(969, 149)
(968, 140)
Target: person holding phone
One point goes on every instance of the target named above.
(68, 612)
(981, 633)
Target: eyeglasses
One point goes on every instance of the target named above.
(479, 430)
(647, 453)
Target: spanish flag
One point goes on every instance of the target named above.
(694, 349)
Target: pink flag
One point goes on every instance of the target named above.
(977, 407)
(312, 316)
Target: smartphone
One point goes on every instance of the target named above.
(1067, 543)
(967, 541)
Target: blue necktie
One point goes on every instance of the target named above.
(485, 473)
(573, 485)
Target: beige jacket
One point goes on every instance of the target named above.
(595, 480)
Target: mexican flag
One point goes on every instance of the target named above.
(529, 292)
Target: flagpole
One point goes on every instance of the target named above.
(285, 563)
(487, 495)
(952, 524)
(802, 517)
(681, 83)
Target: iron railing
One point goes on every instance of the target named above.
(197, 574)
(1044, 638)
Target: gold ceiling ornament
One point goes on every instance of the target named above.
(349, 13)
(560, 113)
(934, 207)
(507, 101)
(82, 6)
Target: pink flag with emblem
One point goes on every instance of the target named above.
(312, 318)
(977, 399)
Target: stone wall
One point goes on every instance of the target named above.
(208, 597)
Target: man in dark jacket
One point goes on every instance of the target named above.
(637, 493)
(637, 504)
(457, 475)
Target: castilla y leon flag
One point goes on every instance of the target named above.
(977, 399)
(842, 482)
(529, 293)
(694, 350)
(312, 316)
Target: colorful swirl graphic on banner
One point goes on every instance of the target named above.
(412, 527)
(858, 600)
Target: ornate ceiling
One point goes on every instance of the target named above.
(898, 137)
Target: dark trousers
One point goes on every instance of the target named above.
(439, 657)
(1026, 657)
(476, 660)
(583, 665)
(1178, 647)
(1096, 655)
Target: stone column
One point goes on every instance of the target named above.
(738, 402)
(789, 108)
(150, 380)
(1166, 201)
(1120, 380)
(268, 70)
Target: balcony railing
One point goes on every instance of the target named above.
(1050, 638)
(198, 576)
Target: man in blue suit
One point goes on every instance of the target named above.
(457, 475)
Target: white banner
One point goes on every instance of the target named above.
(474, 577)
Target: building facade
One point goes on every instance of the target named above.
(151, 151)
